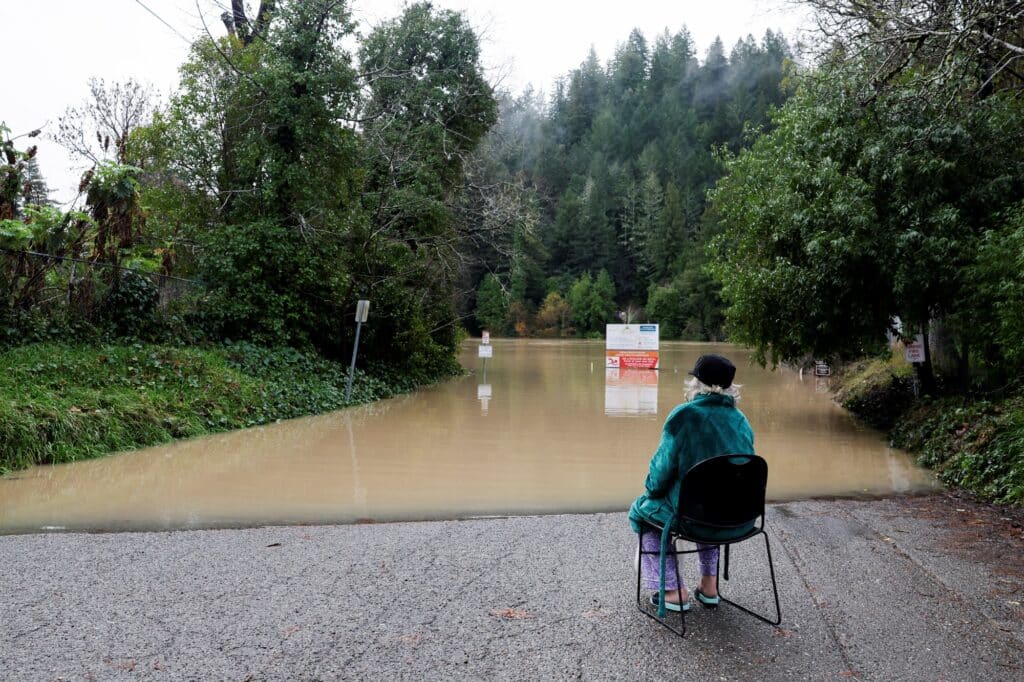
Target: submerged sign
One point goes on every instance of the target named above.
(631, 346)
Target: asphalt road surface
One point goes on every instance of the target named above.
(901, 589)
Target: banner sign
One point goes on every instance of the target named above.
(631, 346)
(631, 359)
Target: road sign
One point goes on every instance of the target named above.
(487, 351)
(485, 337)
(362, 310)
(914, 352)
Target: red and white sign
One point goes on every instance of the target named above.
(914, 352)
(631, 359)
(631, 346)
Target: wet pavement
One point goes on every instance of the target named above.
(923, 588)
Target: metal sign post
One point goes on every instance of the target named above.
(362, 312)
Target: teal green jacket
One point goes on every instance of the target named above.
(707, 426)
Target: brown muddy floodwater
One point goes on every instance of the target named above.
(547, 429)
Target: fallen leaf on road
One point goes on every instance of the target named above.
(782, 632)
(511, 614)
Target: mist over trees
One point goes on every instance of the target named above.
(613, 168)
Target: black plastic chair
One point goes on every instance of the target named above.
(720, 502)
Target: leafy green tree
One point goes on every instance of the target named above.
(844, 218)
(593, 303)
(993, 306)
(492, 305)
(429, 107)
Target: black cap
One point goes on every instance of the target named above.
(714, 370)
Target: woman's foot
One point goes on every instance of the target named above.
(707, 593)
(677, 596)
(674, 601)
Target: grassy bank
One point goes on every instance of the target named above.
(972, 443)
(60, 403)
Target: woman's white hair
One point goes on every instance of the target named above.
(695, 387)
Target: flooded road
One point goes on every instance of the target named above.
(546, 429)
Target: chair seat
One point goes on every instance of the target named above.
(712, 535)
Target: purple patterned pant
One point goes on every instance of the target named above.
(650, 563)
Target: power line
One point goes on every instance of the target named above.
(161, 20)
(99, 264)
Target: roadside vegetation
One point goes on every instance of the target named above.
(61, 403)
(207, 274)
(974, 442)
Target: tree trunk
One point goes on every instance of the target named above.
(963, 367)
(925, 370)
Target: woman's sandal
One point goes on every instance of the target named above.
(706, 601)
(670, 605)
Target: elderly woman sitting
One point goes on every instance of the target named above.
(708, 424)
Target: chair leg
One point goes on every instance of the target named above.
(645, 608)
(639, 566)
(679, 586)
(775, 587)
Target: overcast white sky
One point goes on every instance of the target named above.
(62, 43)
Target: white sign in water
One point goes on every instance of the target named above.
(631, 346)
(487, 351)
(485, 337)
(631, 337)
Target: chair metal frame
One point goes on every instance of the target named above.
(679, 534)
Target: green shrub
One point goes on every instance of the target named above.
(974, 444)
(129, 309)
(877, 391)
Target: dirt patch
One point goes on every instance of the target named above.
(981, 532)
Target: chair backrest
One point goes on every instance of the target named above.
(724, 492)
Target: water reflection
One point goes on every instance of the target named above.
(550, 443)
(483, 394)
(630, 392)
